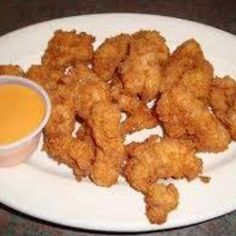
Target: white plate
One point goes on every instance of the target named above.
(42, 189)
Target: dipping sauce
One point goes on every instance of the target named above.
(21, 111)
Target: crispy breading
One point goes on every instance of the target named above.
(11, 70)
(109, 55)
(158, 158)
(158, 43)
(188, 68)
(223, 102)
(67, 48)
(223, 93)
(155, 159)
(47, 77)
(184, 116)
(141, 70)
(198, 81)
(139, 116)
(160, 200)
(89, 91)
(104, 122)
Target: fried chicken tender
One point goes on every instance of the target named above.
(157, 41)
(198, 81)
(189, 69)
(60, 144)
(11, 70)
(47, 77)
(141, 71)
(223, 102)
(68, 48)
(109, 55)
(105, 125)
(187, 117)
(90, 90)
(139, 116)
(160, 200)
(93, 103)
(77, 153)
(158, 158)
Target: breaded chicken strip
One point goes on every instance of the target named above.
(68, 48)
(187, 117)
(109, 55)
(47, 77)
(60, 144)
(189, 69)
(157, 42)
(93, 103)
(104, 122)
(160, 199)
(75, 152)
(158, 158)
(198, 81)
(139, 116)
(141, 71)
(90, 90)
(11, 70)
(223, 102)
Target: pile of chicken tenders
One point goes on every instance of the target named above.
(108, 91)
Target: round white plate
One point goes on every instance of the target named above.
(45, 190)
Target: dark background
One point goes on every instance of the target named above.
(15, 14)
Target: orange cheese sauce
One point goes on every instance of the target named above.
(21, 111)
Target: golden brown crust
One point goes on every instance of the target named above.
(188, 68)
(223, 102)
(160, 200)
(11, 70)
(109, 55)
(105, 125)
(184, 116)
(67, 48)
(141, 70)
(158, 158)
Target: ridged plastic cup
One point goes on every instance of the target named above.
(16, 152)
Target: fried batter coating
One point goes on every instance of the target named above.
(188, 68)
(139, 116)
(47, 77)
(109, 55)
(93, 103)
(89, 91)
(187, 117)
(158, 158)
(60, 145)
(141, 71)
(104, 122)
(11, 70)
(223, 102)
(157, 41)
(160, 200)
(198, 81)
(77, 152)
(68, 48)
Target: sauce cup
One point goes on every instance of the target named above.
(16, 152)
